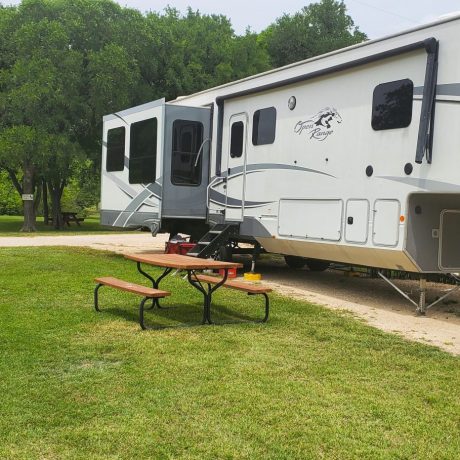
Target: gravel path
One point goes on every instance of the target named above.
(117, 242)
(370, 299)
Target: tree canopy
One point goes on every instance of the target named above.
(317, 29)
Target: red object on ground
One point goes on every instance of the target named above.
(231, 273)
(178, 248)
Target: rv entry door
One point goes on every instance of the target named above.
(236, 167)
(186, 162)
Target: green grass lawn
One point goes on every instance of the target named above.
(311, 383)
(11, 226)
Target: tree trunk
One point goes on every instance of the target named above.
(46, 211)
(15, 181)
(56, 195)
(37, 198)
(28, 187)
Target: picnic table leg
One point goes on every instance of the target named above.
(267, 305)
(155, 282)
(213, 289)
(206, 296)
(96, 297)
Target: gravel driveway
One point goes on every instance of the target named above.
(370, 299)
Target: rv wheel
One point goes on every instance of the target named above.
(316, 265)
(225, 253)
(294, 261)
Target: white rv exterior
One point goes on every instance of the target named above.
(353, 156)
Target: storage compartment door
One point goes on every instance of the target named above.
(357, 221)
(386, 222)
(312, 219)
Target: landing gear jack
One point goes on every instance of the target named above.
(421, 307)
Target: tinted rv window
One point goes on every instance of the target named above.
(236, 139)
(392, 105)
(186, 143)
(115, 149)
(143, 151)
(264, 126)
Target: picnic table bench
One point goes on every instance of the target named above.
(146, 292)
(250, 289)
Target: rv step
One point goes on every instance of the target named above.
(207, 240)
(210, 242)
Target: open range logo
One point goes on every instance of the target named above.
(320, 126)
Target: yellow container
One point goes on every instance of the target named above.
(252, 276)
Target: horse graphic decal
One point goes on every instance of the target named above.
(319, 126)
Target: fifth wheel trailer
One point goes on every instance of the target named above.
(352, 157)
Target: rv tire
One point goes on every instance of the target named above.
(294, 261)
(225, 253)
(316, 265)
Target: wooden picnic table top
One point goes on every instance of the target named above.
(181, 262)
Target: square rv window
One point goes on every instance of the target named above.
(186, 142)
(143, 151)
(392, 105)
(264, 126)
(236, 139)
(115, 149)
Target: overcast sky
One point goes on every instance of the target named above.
(374, 17)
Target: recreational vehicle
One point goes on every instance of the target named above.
(352, 157)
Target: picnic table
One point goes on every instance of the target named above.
(191, 265)
(68, 217)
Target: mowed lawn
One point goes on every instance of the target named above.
(11, 226)
(311, 383)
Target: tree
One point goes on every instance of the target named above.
(52, 89)
(195, 52)
(21, 149)
(317, 29)
(40, 101)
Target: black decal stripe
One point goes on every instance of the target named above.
(260, 167)
(449, 89)
(221, 199)
(425, 184)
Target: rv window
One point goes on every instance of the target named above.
(392, 105)
(115, 149)
(143, 151)
(236, 139)
(186, 142)
(264, 126)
